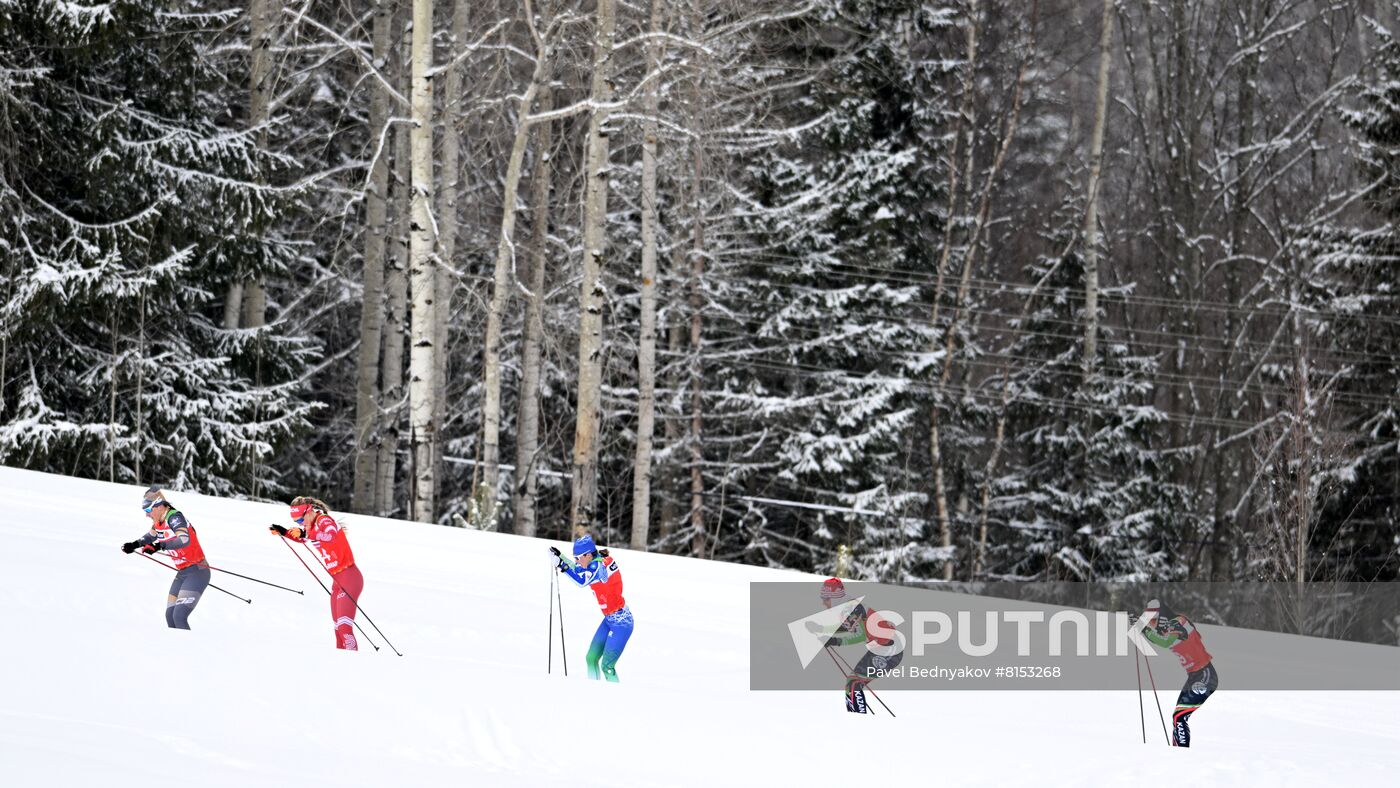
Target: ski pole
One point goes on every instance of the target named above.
(356, 602)
(1160, 717)
(563, 645)
(549, 665)
(211, 585)
(849, 671)
(850, 696)
(328, 593)
(1142, 715)
(255, 580)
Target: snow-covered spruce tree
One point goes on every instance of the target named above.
(1082, 494)
(120, 214)
(823, 328)
(1355, 283)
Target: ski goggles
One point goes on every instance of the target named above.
(148, 505)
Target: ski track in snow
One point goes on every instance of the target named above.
(95, 690)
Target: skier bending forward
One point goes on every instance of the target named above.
(858, 627)
(171, 532)
(597, 569)
(328, 539)
(1174, 631)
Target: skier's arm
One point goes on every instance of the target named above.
(1159, 638)
(145, 544)
(845, 639)
(852, 630)
(181, 539)
(583, 575)
(323, 530)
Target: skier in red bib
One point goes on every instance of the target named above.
(315, 526)
(1174, 631)
(172, 533)
(860, 626)
(594, 569)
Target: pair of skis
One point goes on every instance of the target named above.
(855, 689)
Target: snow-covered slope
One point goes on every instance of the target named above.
(95, 691)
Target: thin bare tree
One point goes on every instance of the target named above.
(646, 350)
(506, 263)
(1091, 213)
(583, 499)
(367, 401)
(396, 304)
(527, 442)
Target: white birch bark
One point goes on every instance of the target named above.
(262, 17)
(448, 196)
(396, 304)
(422, 268)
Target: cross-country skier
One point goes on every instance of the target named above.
(171, 532)
(1174, 631)
(316, 527)
(596, 569)
(858, 627)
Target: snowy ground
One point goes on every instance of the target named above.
(94, 690)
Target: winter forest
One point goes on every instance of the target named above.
(909, 291)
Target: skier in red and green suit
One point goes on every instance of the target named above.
(1172, 630)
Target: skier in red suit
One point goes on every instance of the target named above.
(172, 533)
(315, 526)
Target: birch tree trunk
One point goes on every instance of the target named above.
(526, 488)
(447, 218)
(396, 305)
(506, 262)
(671, 427)
(367, 402)
(1091, 214)
(697, 123)
(239, 301)
(697, 305)
(595, 213)
(262, 17)
(646, 352)
(233, 305)
(422, 269)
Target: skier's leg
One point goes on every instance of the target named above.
(170, 600)
(595, 649)
(1199, 686)
(871, 666)
(195, 580)
(620, 625)
(348, 586)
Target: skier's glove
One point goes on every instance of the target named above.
(277, 529)
(130, 547)
(556, 552)
(148, 549)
